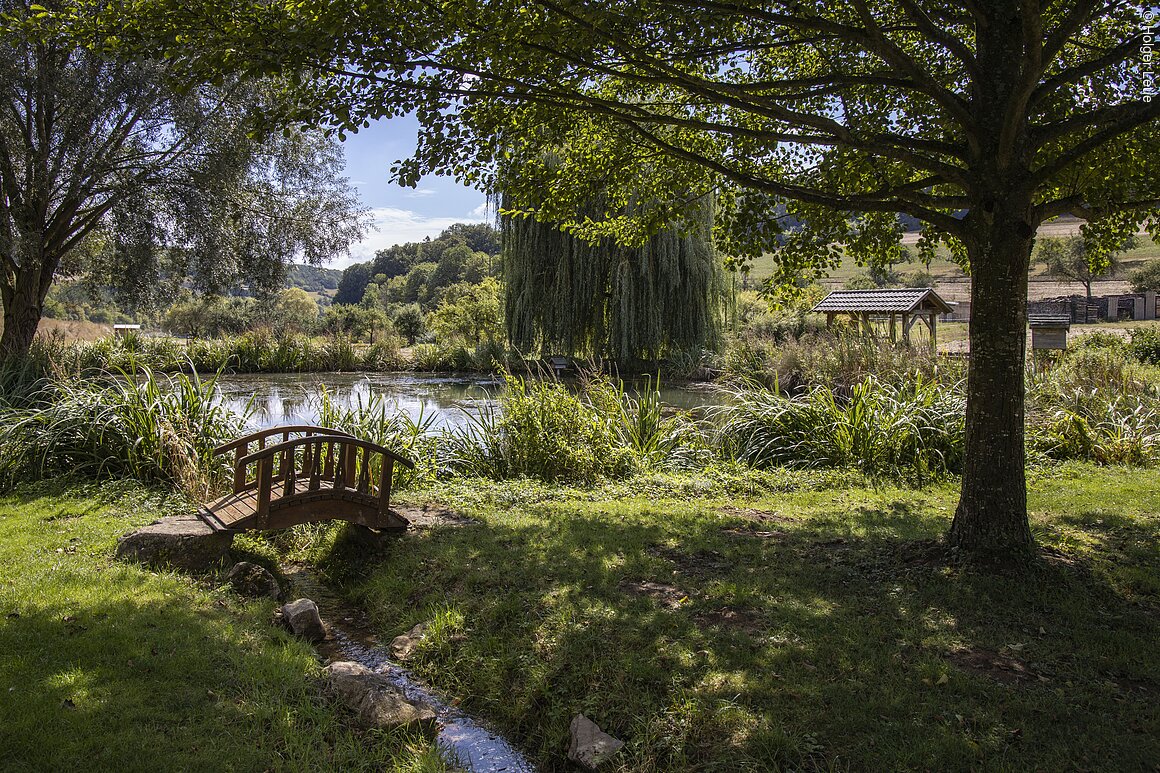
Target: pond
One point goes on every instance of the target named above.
(292, 398)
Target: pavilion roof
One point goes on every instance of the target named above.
(888, 300)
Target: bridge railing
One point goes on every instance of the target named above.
(262, 438)
(321, 459)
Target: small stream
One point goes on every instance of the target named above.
(464, 740)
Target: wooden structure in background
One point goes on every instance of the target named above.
(900, 309)
(1049, 331)
(307, 474)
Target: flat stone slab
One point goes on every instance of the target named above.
(183, 542)
(377, 701)
(590, 746)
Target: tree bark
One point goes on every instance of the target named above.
(21, 319)
(22, 294)
(991, 519)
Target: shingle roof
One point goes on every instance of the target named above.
(904, 299)
(1049, 320)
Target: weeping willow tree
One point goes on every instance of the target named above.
(601, 299)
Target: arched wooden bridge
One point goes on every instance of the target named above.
(302, 474)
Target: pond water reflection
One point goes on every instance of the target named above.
(293, 398)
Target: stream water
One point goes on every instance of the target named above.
(465, 741)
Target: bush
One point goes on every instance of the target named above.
(1144, 345)
(1146, 278)
(1096, 405)
(1098, 339)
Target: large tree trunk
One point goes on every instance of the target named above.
(21, 318)
(991, 519)
(22, 295)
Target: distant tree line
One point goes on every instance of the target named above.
(421, 272)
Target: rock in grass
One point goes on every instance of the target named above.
(377, 701)
(590, 745)
(253, 581)
(302, 618)
(183, 542)
(404, 645)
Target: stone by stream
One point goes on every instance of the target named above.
(403, 645)
(301, 616)
(469, 745)
(590, 746)
(375, 699)
(253, 581)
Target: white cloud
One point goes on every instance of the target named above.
(483, 211)
(419, 193)
(399, 226)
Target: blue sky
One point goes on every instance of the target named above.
(402, 214)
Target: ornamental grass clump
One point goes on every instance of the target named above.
(539, 430)
(378, 421)
(637, 419)
(914, 431)
(124, 424)
(1097, 405)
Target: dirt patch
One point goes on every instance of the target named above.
(701, 563)
(995, 665)
(431, 515)
(668, 596)
(752, 514)
(754, 533)
(746, 620)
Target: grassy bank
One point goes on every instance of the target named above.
(788, 620)
(107, 666)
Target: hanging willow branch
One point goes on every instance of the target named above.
(604, 300)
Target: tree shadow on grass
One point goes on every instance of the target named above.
(122, 685)
(704, 649)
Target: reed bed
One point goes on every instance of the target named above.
(69, 416)
(881, 428)
(132, 423)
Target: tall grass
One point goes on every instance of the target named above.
(915, 430)
(541, 430)
(129, 423)
(836, 361)
(1098, 405)
(254, 352)
(383, 423)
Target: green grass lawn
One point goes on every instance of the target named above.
(791, 621)
(714, 621)
(107, 666)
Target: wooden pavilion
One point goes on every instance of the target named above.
(899, 308)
